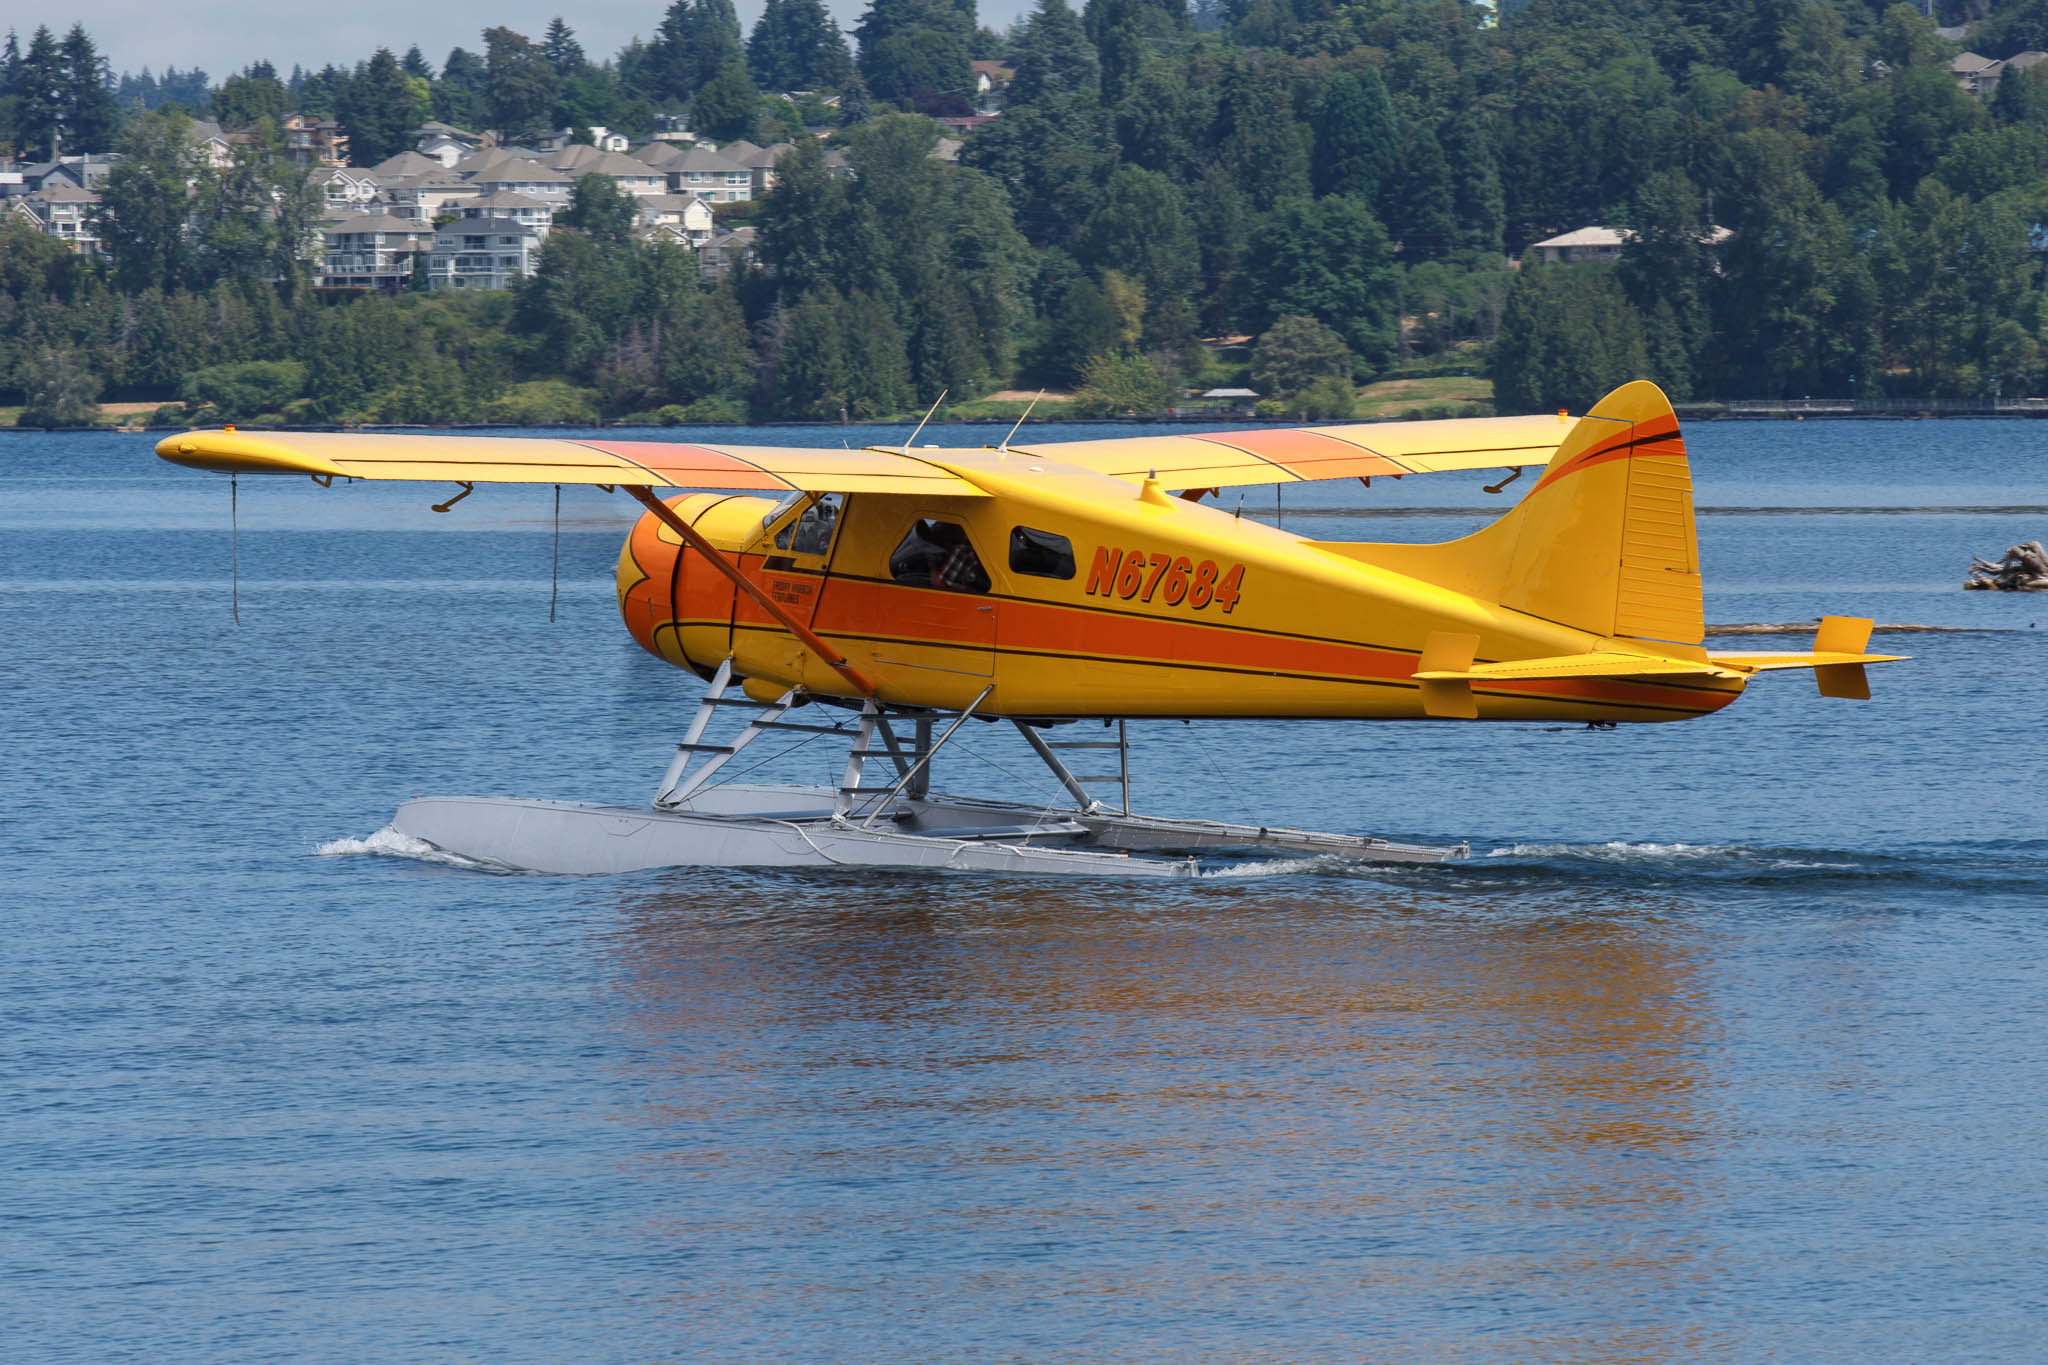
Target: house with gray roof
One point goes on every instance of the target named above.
(699, 170)
(62, 210)
(371, 251)
(482, 253)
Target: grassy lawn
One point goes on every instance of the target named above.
(1399, 397)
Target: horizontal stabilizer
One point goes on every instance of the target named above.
(1595, 664)
(1837, 658)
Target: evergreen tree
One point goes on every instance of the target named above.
(378, 110)
(810, 378)
(1052, 55)
(520, 86)
(796, 46)
(724, 108)
(1117, 28)
(1478, 213)
(245, 98)
(600, 211)
(855, 105)
(1355, 137)
(459, 93)
(90, 116)
(1140, 230)
(414, 64)
(39, 92)
(562, 50)
(877, 367)
(143, 204)
(914, 53)
(1327, 259)
(1422, 214)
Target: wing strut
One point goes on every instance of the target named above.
(837, 661)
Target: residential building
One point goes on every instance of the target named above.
(991, 85)
(62, 210)
(345, 191)
(631, 175)
(1596, 244)
(315, 141)
(700, 170)
(372, 251)
(687, 213)
(214, 146)
(759, 163)
(445, 143)
(495, 171)
(717, 257)
(424, 198)
(520, 208)
(404, 166)
(673, 128)
(482, 253)
(1970, 70)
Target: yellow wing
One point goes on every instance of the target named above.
(515, 459)
(1219, 459)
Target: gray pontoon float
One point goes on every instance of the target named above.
(696, 822)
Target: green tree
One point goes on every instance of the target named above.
(1296, 353)
(1052, 55)
(1568, 336)
(811, 376)
(877, 366)
(62, 391)
(915, 53)
(90, 118)
(724, 108)
(459, 93)
(39, 90)
(246, 98)
(600, 211)
(1117, 28)
(378, 110)
(1327, 259)
(560, 47)
(1356, 140)
(796, 45)
(1117, 383)
(1139, 229)
(144, 203)
(520, 87)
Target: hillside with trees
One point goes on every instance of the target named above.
(1318, 192)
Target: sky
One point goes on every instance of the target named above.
(223, 36)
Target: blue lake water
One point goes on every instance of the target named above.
(1727, 1042)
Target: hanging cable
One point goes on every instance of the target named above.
(555, 575)
(234, 551)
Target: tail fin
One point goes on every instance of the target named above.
(1604, 542)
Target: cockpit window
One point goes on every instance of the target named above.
(811, 532)
(937, 554)
(1040, 553)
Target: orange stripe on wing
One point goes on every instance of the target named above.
(687, 466)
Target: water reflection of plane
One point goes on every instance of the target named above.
(1420, 1097)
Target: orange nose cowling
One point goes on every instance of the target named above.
(649, 581)
(679, 610)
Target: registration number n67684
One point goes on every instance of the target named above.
(1143, 575)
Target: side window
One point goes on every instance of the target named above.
(811, 532)
(937, 554)
(1040, 553)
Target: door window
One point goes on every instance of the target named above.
(937, 554)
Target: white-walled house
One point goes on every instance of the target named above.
(483, 253)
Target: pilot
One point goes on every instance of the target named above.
(937, 554)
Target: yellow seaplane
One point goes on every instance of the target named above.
(913, 588)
